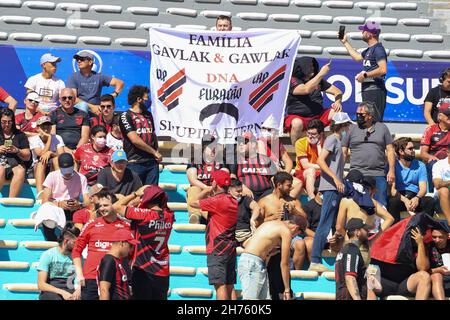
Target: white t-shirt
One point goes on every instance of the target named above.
(48, 90)
(113, 143)
(441, 170)
(36, 142)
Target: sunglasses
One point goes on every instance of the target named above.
(70, 98)
(366, 138)
(33, 101)
(82, 59)
(361, 114)
(108, 106)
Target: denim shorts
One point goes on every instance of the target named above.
(254, 279)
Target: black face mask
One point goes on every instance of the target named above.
(361, 121)
(408, 157)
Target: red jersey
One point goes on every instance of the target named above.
(98, 120)
(222, 218)
(92, 236)
(437, 140)
(111, 270)
(3, 94)
(82, 216)
(28, 125)
(152, 228)
(92, 161)
(205, 170)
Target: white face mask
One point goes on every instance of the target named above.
(313, 140)
(67, 171)
(266, 134)
(101, 142)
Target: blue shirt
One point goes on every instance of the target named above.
(371, 57)
(56, 264)
(89, 88)
(409, 178)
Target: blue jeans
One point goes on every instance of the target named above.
(254, 279)
(148, 172)
(330, 206)
(381, 194)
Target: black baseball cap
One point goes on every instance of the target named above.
(357, 223)
(65, 160)
(354, 176)
(369, 182)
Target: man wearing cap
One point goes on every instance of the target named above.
(119, 179)
(88, 84)
(435, 139)
(45, 147)
(46, 84)
(254, 169)
(152, 223)
(349, 268)
(441, 181)
(26, 121)
(199, 174)
(96, 237)
(70, 123)
(112, 276)
(268, 238)
(371, 143)
(374, 71)
(8, 99)
(221, 211)
(331, 162)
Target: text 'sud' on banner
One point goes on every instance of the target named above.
(219, 83)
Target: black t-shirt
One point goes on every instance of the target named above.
(349, 262)
(371, 57)
(143, 125)
(244, 214)
(20, 141)
(111, 270)
(435, 96)
(68, 126)
(313, 209)
(306, 105)
(435, 255)
(129, 184)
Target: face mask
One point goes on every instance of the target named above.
(67, 171)
(146, 104)
(313, 140)
(101, 142)
(409, 157)
(361, 121)
(238, 199)
(266, 134)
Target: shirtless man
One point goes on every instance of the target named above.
(252, 266)
(279, 205)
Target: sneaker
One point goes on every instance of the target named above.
(194, 219)
(318, 267)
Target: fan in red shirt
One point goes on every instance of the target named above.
(88, 213)
(26, 121)
(95, 235)
(94, 156)
(221, 210)
(152, 223)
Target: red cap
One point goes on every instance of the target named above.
(123, 235)
(151, 193)
(444, 107)
(222, 178)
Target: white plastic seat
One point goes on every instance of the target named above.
(168, 186)
(21, 287)
(137, 42)
(339, 4)
(350, 20)
(22, 222)
(384, 21)
(280, 3)
(174, 248)
(60, 38)
(319, 296)
(10, 3)
(310, 49)
(193, 292)
(176, 167)
(83, 23)
(38, 244)
(370, 5)
(18, 202)
(189, 227)
(40, 5)
(191, 27)
(284, 17)
(303, 274)
(398, 297)
(329, 275)
(147, 26)
(407, 53)
(338, 51)
(395, 37)
(126, 25)
(8, 244)
(325, 34)
(305, 33)
(184, 271)
(317, 19)
(146, 11)
(428, 38)
(16, 19)
(245, 2)
(208, 1)
(402, 6)
(438, 54)
(182, 12)
(72, 6)
(215, 13)
(3, 36)
(14, 265)
(308, 3)
(2, 222)
(95, 40)
(355, 35)
(100, 8)
(53, 22)
(253, 16)
(415, 22)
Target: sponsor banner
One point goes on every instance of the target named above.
(219, 83)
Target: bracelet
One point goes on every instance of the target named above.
(117, 94)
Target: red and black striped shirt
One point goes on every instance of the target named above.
(205, 170)
(222, 218)
(111, 270)
(152, 228)
(98, 120)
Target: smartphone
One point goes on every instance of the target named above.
(8, 143)
(341, 32)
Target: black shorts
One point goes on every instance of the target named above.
(90, 290)
(446, 284)
(147, 286)
(389, 288)
(221, 269)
